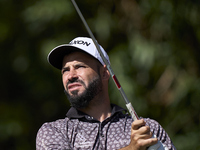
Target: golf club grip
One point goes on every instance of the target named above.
(132, 111)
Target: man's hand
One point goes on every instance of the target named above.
(140, 136)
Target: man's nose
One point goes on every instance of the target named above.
(72, 74)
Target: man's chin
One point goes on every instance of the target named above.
(74, 93)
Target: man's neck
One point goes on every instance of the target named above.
(99, 112)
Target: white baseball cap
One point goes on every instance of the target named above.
(55, 57)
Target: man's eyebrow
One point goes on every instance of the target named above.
(65, 67)
(74, 65)
(79, 63)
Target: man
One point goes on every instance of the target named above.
(92, 122)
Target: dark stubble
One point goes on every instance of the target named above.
(82, 100)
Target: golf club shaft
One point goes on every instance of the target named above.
(128, 104)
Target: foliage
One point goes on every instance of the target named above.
(154, 51)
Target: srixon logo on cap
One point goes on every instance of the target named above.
(80, 42)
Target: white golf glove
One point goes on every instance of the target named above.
(158, 146)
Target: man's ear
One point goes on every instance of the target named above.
(105, 73)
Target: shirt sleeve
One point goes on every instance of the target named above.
(51, 136)
(160, 133)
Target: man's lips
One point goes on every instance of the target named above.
(73, 86)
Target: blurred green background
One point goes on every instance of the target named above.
(154, 48)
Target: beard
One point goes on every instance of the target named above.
(82, 100)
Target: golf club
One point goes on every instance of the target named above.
(158, 145)
(128, 104)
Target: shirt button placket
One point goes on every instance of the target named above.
(101, 137)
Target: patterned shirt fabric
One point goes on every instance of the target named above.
(79, 131)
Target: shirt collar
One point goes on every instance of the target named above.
(74, 113)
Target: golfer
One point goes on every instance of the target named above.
(92, 122)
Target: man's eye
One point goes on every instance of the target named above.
(80, 66)
(64, 71)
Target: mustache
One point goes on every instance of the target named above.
(74, 81)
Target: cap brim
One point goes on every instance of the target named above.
(55, 57)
